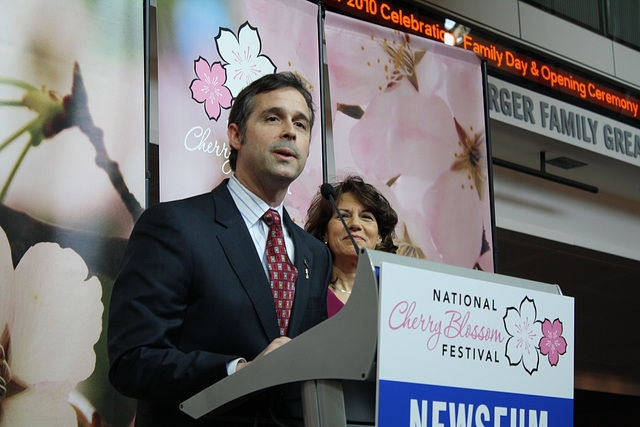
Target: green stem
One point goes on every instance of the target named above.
(12, 103)
(19, 132)
(15, 82)
(5, 187)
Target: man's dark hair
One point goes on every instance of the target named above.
(244, 103)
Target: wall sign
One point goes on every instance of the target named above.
(562, 121)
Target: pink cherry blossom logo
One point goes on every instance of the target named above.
(209, 88)
(529, 337)
(552, 344)
(217, 85)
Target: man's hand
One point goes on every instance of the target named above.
(277, 343)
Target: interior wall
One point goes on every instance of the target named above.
(541, 208)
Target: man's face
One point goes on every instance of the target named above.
(276, 139)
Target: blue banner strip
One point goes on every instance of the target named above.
(421, 405)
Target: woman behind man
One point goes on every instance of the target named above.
(371, 221)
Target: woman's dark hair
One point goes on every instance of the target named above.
(243, 105)
(320, 212)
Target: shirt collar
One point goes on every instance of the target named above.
(251, 207)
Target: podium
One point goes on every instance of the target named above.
(344, 348)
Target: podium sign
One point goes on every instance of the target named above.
(475, 349)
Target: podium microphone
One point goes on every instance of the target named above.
(329, 193)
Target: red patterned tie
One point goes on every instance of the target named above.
(282, 272)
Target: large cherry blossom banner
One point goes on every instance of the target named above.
(408, 116)
(209, 51)
(72, 183)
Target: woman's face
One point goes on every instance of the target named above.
(361, 223)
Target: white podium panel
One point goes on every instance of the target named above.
(466, 348)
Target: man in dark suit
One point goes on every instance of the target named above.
(193, 301)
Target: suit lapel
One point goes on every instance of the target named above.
(303, 258)
(241, 254)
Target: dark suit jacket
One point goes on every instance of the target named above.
(192, 295)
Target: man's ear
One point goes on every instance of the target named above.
(235, 138)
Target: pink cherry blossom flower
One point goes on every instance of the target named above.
(366, 59)
(404, 133)
(242, 54)
(453, 214)
(209, 87)
(437, 172)
(552, 344)
(434, 171)
(524, 331)
(463, 86)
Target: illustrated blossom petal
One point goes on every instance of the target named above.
(244, 61)
(552, 343)
(525, 334)
(209, 88)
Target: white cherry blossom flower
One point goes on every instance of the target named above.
(525, 332)
(242, 55)
(51, 313)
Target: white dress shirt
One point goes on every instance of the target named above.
(251, 209)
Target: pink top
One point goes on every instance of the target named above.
(334, 305)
